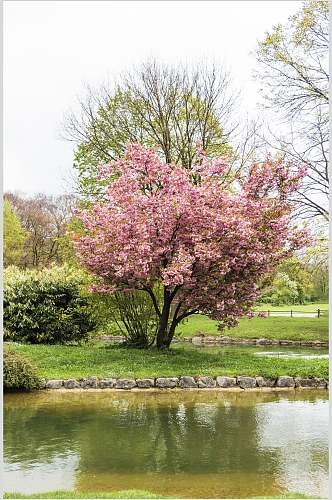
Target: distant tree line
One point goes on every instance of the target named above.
(35, 229)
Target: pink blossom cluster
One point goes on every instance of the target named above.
(206, 240)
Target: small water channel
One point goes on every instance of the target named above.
(271, 350)
(202, 444)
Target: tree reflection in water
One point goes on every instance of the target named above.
(174, 443)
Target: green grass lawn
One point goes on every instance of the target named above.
(115, 361)
(116, 494)
(87, 495)
(269, 328)
(303, 308)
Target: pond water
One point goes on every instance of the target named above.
(194, 444)
(269, 350)
(288, 351)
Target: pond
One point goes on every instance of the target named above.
(194, 444)
(268, 350)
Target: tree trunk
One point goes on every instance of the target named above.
(166, 334)
(171, 333)
(162, 334)
(167, 328)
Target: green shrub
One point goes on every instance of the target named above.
(47, 306)
(130, 314)
(19, 372)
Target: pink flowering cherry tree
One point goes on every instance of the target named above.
(204, 237)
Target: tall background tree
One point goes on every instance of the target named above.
(293, 69)
(14, 236)
(316, 260)
(174, 109)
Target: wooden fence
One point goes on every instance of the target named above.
(291, 312)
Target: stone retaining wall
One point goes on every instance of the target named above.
(188, 382)
(202, 339)
(217, 340)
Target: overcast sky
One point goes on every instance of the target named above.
(53, 48)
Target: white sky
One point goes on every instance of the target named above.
(53, 48)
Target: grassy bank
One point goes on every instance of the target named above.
(323, 306)
(270, 328)
(117, 494)
(114, 361)
(88, 495)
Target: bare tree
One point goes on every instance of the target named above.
(248, 146)
(308, 145)
(293, 61)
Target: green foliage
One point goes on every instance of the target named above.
(300, 274)
(125, 117)
(313, 14)
(66, 251)
(283, 290)
(46, 306)
(296, 54)
(14, 236)
(316, 259)
(299, 280)
(18, 372)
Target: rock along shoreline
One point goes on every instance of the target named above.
(223, 340)
(241, 382)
